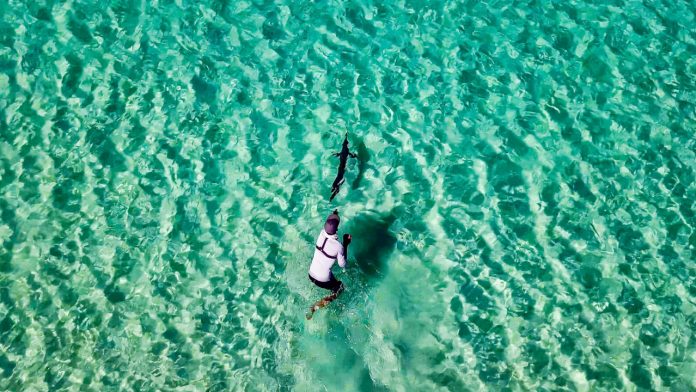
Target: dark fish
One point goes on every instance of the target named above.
(343, 157)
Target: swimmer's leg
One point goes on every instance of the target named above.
(340, 289)
(326, 300)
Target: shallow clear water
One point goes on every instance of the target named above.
(522, 205)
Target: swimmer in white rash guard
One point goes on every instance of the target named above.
(328, 250)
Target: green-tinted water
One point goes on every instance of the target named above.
(522, 207)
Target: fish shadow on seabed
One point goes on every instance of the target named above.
(363, 159)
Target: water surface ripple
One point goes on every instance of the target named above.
(522, 206)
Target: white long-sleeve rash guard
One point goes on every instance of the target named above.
(323, 261)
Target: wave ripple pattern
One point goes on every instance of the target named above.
(522, 206)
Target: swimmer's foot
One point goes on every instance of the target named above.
(311, 312)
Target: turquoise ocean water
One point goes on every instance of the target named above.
(522, 205)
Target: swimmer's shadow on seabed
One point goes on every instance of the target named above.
(373, 243)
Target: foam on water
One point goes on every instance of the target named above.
(522, 205)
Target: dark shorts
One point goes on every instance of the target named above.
(333, 284)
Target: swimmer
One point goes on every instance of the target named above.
(327, 251)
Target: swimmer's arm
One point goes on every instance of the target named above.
(341, 258)
(344, 255)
